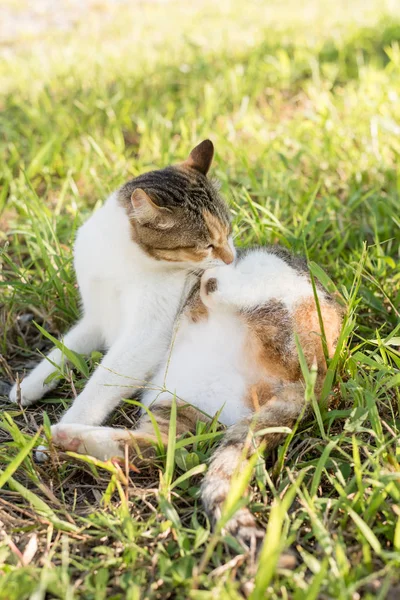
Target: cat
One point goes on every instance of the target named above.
(234, 351)
(135, 261)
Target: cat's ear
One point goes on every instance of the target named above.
(146, 212)
(201, 157)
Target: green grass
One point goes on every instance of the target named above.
(302, 101)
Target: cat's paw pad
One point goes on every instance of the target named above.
(63, 437)
(67, 438)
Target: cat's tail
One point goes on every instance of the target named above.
(282, 408)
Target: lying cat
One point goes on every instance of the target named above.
(234, 350)
(134, 260)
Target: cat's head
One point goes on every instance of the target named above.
(177, 215)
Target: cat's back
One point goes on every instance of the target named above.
(272, 273)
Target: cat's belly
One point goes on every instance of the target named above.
(205, 369)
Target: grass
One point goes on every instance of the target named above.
(302, 103)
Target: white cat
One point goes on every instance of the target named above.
(134, 261)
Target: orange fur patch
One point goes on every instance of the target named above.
(259, 394)
(271, 351)
(219, 233)
(179, 255)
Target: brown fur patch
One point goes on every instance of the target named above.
(218, 230)
(186, 418)
(269, 342)
(280, 405)
(195, 310)
(198, 311)
(306, 325)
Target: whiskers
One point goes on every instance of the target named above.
(205, 265)
(196, 272)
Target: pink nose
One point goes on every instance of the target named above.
(226, 255)
(228, 261)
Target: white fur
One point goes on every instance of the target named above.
(205, 367)
(130, 302)
(256, 279)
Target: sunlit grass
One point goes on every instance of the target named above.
(302, 103)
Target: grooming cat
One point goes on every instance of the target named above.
(234, 351)
(134, 260)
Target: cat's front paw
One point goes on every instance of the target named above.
(25, 394)
(15, 394)
(64, 437)
(68, 438)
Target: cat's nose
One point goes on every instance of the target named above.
(227, 254)
(211, 285)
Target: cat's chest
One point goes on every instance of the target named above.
(122, 288)
(129, 306)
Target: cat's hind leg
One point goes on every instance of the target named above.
(83, 338)
(231, 457)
